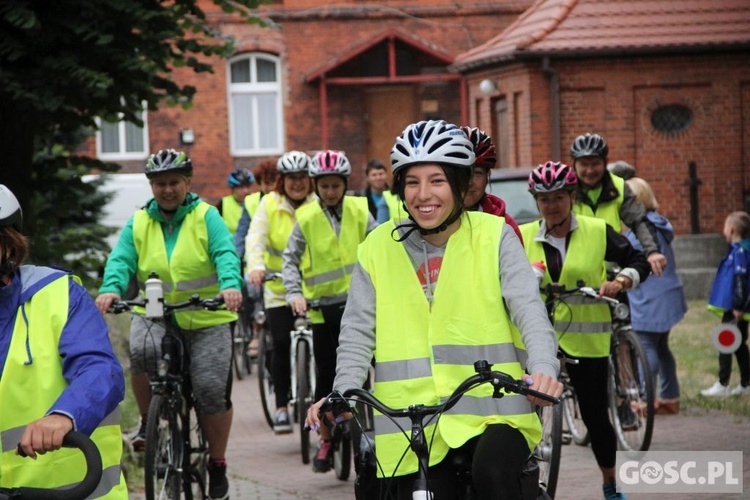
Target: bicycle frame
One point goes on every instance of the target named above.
(302, 363)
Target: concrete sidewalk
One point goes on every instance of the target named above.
(265, 466)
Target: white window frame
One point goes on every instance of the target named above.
(254, 88)
(122, 154)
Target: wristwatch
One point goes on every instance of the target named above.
(623, 281)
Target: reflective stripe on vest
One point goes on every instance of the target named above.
(608, 211)
(331, 258)
(188, 271)
(33, 387)
(231, 211)
(251, 203)
(280, 226)
(584, 325)
(424, 352)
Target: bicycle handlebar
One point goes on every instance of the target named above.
(556, 290)
(86, 487)
(211, 304)
(499, 380)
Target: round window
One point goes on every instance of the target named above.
(672, 118)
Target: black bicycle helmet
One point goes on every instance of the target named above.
(168, 160)
(10, 210)
(484, 149)
(589, 145)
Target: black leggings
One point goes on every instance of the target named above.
(281, 323)
(589, 378)
(325, 343)
(742, 353)
(497, 456)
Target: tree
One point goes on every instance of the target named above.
(62, 64)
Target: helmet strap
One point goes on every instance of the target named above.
(413, 226)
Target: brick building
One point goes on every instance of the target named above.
(347, 76)
(665, 82)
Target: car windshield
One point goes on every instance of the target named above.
(518, 201)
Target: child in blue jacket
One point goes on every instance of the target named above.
(729, 299)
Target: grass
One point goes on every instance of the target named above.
(698, 363)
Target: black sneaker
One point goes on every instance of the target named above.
(628, 418)
(282, 425)
(138, 441)
(322, 460)
(218, 485)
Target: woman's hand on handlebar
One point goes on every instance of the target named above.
(313, 420)
(298, 305)
(105, 300)
(256, 277)
(543, 383)
(232, 298)
(45, 434)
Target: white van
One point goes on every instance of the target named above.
(131, 192)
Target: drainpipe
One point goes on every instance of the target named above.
(554, 103)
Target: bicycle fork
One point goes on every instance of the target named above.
(300, 335)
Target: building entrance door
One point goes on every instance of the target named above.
(389, 110)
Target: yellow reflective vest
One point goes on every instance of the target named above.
(425, 351)
(34, 388)
(280, 226)
(231, 211)
(329, 258)
(608, 211)
(252, 201)
(188, 271)
(583, 325)
(395, 212)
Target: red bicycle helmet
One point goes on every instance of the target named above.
(552, 176)
(484, 149)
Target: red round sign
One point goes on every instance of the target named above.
(726, 338)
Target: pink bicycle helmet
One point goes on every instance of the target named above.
(552, 176)
(484, 149)
(329, 162)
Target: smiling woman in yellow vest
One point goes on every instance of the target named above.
(58, 372)
(266, 241)
(318, 262)
(571, 248)
(184, 240)
(431, 296)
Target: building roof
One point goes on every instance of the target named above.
(566, 28)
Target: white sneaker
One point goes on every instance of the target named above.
(716, 390)
(740, 391)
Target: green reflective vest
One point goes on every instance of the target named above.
(395, 211)
(329, 258)
(188, 271)
(231, 211)
(33, 388)
(608, 211)
(423, 352)
(251, 202)
(583, 325)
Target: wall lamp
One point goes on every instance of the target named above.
(487, 86)
(187, 136)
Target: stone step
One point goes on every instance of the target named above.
(699, 250)
(697, 282)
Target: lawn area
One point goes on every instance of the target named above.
(698, 363)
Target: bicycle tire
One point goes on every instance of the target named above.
(196, 461)
(238, 346)
(635, 391)
(164, 450)
(247, 324)
(265, 381)
(304, 396)
(341, 441)
(547, 452)
(572, 412)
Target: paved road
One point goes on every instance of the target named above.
(265, 466)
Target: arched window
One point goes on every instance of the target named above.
(256, 121)
(672, 118)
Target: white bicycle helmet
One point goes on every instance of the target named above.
(433, 141)
(10, 210)
(292, 162)
(330, 162)
(168, 160)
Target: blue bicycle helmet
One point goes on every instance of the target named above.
(240, 177)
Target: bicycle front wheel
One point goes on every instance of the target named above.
(573, 419)
(238, 348)
(196, 461)
(164, 450)
(304, 397)
(547, 452)
(341, 440)
(631, 392)
(265, 382)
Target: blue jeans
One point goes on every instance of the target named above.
(661, 361)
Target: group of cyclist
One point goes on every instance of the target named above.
(377, 289)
